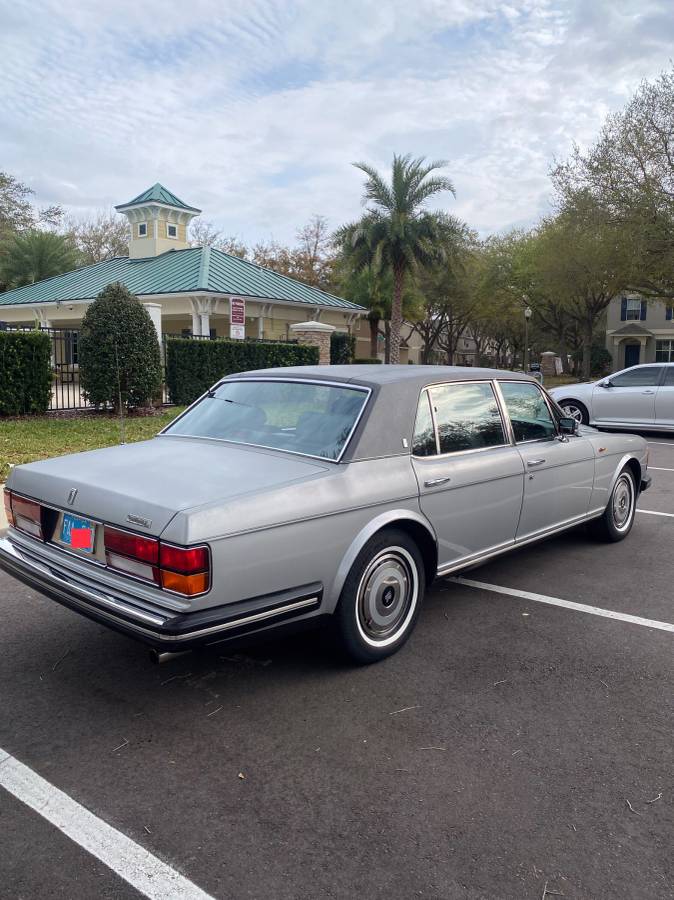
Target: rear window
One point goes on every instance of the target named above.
(300, 417)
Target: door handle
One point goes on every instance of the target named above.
(434, 482)
(648, 392)
(535, 462)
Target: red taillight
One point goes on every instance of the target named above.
(27, 515)
(7, 497)
(184, 570)
(185, 560)
(133, 545)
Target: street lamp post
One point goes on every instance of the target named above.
(527, 316)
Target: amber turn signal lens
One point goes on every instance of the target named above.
(184, 584)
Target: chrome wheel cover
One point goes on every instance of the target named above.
(574, 412)
(387, 596)
(622, 502)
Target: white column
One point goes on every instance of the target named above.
(154, 309)
(196, 322)
(205, 323)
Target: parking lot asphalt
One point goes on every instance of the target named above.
(511, 747)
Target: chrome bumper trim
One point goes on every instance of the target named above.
(42, 577)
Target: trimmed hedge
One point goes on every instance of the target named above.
(367, 361)
(342, 348)
(192, 366)
(25, 372)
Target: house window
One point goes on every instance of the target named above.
(142, 229)
(633, 310)
(664, 351)
(171, 230)
(668, 313)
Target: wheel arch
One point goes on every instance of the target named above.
(413, 524)
(635, 467)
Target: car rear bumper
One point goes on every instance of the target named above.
(161, 629)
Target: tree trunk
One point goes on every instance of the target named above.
(374, 336)
(387, 341)
(396, 314)
(563, 351)
(587, 349)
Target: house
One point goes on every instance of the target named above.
(639, 331)
(187, 290)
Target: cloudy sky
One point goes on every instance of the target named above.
(254, 110)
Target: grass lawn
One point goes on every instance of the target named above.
(558, 380)
(38, 437)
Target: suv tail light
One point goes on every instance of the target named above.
(184, 570)
(26, 515)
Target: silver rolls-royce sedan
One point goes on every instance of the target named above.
(287, 495)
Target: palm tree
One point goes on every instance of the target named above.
(32, 255)
(396, 234)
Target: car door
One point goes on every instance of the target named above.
(470, 476)
(664, 399)
(628, 397)
(559, 471)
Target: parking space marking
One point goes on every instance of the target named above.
(143, 871)
(659, 469)
(653, 512)
(567, 604)
(662, 443)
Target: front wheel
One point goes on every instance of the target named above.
(381, 597)
(576, 410)
(618, 518)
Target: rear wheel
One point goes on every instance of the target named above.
(618, 518)
(576, 410)
(381, 598)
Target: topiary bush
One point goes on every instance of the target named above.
(192, 366)
(342, 348)
(119, 351)
(25, 372)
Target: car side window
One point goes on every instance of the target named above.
(423, 442)
(639, 376)
(528, 411)
(467, 416)
(669, 377)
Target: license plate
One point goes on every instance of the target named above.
(78, 534)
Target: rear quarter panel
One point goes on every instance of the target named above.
(292, 536)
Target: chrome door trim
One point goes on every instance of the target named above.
(478, 559)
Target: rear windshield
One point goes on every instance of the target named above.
(313, 419)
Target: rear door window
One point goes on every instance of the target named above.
(467, 416)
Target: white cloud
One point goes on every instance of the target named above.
(255, 111)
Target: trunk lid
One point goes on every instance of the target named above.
(153, 480)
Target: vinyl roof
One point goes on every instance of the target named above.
(176, 272)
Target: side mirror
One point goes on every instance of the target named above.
(568, 425)
(606, 384)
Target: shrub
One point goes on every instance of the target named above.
(192, 366)
(342, 348)
(366, 361)
(119, 350)
(600, 359)
(25, 372)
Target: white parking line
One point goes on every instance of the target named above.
(653, 512)
(142, 870)
(662, 443)
(659, 469)
(567, 604)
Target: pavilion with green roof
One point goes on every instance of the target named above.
(187, 290)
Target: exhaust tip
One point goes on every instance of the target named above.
(158, 657)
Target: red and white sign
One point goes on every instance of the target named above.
(237, 318)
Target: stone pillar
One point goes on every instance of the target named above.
(315, 334)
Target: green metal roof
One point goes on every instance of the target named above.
(176, 272)
(158, 194)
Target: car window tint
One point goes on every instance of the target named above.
(639, 376)
(669, 376)
(302, 417)
(467, 416)
(528, 411)
(423, 443)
